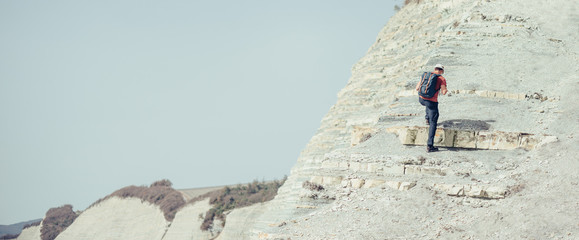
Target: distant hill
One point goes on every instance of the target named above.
(15, 228)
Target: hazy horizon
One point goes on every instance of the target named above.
(96, 96)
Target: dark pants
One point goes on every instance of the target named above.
(431, 117)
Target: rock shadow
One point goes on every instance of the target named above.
(467, 124)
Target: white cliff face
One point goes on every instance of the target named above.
(117, 218)
(187, 223)
(511, 65)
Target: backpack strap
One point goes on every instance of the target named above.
(432, 76)
(425, 76)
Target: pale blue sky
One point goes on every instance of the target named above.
(98, 95)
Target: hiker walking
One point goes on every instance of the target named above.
(428, 87)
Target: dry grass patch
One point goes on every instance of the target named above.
(34, 224)
(229, 198)
(159, 193)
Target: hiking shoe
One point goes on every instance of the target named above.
(431, 149)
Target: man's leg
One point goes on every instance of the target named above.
(432, 109)
(423, 102)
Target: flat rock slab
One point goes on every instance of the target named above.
(458, 138)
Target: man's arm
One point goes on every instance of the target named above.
(443, 89)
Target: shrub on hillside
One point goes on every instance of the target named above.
(159, 193)
(312, 186)
(229, 198)
(56, 220)
(162, 183)
(31, 224)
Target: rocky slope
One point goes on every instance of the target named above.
(511, 67)
(510, 122)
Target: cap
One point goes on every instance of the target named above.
(439, 66)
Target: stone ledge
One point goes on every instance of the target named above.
(475, 191)
(358, 183)
(457, 190)
(488, 140)
(326, 180)
(385, 168)
(361, 134)
(488, 94)
(423, 170)
(404, 186)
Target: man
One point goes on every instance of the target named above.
(431, 105)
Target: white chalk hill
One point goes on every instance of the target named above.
(510, 124)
